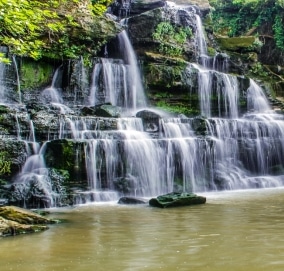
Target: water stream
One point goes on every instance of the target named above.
(237, 231)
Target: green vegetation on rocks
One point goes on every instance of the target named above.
(15, 220)
(171, 38)
(34, 74)
(240, 17)
(54, 28)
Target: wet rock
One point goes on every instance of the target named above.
(8, 227)
(23, 216)
(132, 200)
(39, 190)
(176, 200)
(15, 220)
(3, 202)
(237, 44)
(150, 121)
(199, 126)
(104, 110)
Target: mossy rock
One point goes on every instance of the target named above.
(8, 228)
(237, 44)
(15, 220)
(176, 200)
(35, 74)
(23, 216)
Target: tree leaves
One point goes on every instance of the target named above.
(35, 28)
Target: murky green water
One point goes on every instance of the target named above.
(232, 231)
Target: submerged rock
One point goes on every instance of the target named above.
(15, 220)
(132, 200)
(176, 199)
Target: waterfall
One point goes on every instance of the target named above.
(33, 181)
(134, 76)
(18, 79)
(201, 41)
(226, 148)
(237, 142)
(8, 75)
(118, 81)
(115, 88)
(2, 84)
(52, 96)
(257, 100)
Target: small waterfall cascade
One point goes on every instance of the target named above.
(200, 41)
(10, 90)
(18, 79)
(51, 93)
(34, 180)
(2, 84)
(122, 84)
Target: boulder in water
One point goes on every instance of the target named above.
(132, 200)
(176, 200)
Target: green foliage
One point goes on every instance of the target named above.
(171, 38)
(237, 17)
(49, 28)
(258, 70)
(279, 31)
(100, 6)
(4, 59)
(5, 163)
(177, 109)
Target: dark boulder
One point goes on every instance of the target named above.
(176, 200)
(132, 200)
(150, 120)
(105, 110)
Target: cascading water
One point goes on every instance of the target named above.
(230, 146)
(121, 79)
(52, 96)
(2, 85)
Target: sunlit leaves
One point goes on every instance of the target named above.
(33, 28)
(4, 59)
(100, 6)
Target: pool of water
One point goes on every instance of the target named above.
(240, 230)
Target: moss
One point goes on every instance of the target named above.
(167, 74)
(211, 51)
(176, 108)
(237, 43)
(23, 216)
(35, 74)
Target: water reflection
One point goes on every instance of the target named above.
(232, 231)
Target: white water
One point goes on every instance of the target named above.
(18, 79)
(34, 179)
(201, 41)
(2, 85)
(122, 83)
